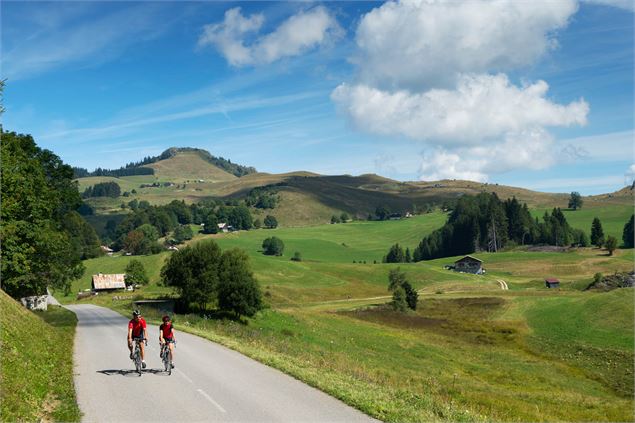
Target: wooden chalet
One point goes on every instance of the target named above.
(469, 264)
(102, 282)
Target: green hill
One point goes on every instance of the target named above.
(308, 199)
(37, 365)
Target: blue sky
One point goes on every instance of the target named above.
(533, 94)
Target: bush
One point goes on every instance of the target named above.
(399, 302)
(136, 273)
(611, 244)
(297, 256)
(273, 246)
(270, 222)
(404, 295)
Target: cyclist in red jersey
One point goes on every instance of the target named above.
(166, 334)
(137, 330)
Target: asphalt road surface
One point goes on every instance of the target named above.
(210, 382)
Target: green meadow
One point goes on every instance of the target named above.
(470, 352)
(613, 217)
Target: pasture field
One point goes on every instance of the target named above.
(613, 217)
(470, 352)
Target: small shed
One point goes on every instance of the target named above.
(552, 283)
(469, 264)
(103, 282)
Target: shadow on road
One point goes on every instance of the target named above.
(126, 372)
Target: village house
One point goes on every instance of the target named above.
(224, 227)
(469, 264)
(106, 249)
(102, 282)
(552, 283)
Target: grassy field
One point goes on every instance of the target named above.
(37, 372)
(471, 351)
(455, 359)
(613, 217)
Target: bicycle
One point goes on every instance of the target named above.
(165, 356)
(136, 355)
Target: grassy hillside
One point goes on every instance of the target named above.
(613, 217)
(189, 166)
(309, 199)
(37, 365)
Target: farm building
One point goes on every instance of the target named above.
(469, 264)
(552, 283)
(102, 282)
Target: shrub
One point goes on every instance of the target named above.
(136, 273)
(404, 295)
(273, 246)
(270, 222)
(297, 256)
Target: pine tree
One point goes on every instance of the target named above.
(597, 234)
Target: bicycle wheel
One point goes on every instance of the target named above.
(166, 360)
(137, 361)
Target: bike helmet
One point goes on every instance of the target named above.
(136, 313)
(166, 318)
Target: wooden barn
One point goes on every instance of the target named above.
(469, 264)
(552, 283)
(102, 282)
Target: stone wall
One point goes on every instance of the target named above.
(36, 302)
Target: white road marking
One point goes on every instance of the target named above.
(202, 392)
(184, 376)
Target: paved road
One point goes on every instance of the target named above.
(209, 383)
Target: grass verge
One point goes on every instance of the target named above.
(37, 364)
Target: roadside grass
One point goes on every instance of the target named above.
(37, 363)
(454, 359)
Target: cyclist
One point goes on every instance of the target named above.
(137, 331)
(166, 335)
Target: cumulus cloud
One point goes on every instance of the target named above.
(433, 71)
(481, 107)
(425, 43)
(533, 149)
(237, 38)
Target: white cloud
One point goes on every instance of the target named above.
(419, 44)
(298, 34)
(482, 107)
(432, 71)
(534, 149)
(445, 165)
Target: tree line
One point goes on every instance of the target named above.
(80, 172)
(485, 223)
(43, 236)
(102, 189)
